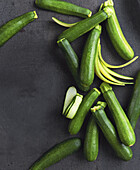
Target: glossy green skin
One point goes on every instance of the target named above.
(9, 29)
(88, 58)
(91, 143)
(134, 106)
(70, 57)
(57, 153)
(76, 123)
(72, 62)
(83, 26)
(122, 151)
(124, 128)
(63, 7)
(117, 38)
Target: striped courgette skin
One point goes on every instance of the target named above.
(122, 151)
(64, 7)
(76, 123)
(134, 106)
(91, 142)
(124, 128)
(9, 29)
(57, 153)
(117, 37)
(83, 26)
(88, 57)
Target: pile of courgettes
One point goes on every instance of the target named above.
(76, 107)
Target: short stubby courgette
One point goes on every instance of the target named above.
(122, 151)
(57, 153)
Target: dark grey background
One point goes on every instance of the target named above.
(33, 81)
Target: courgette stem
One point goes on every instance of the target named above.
(122, 151)
(64, 24)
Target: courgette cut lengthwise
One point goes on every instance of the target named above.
(122, 151)
(124, 128)
(63, 7)
(88, 57)
(9, 29)
(57, 153)
(116, 35)
(85, 25)
(134, 106)
(76, 123)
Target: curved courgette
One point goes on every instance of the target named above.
(85, 25)
(91, 142)
(124, 128)
(134, 106)
(57, 153)
(116, 35)
(63, 7)
(9, 29)
(76, 123)
(88, 57)
(122, 151)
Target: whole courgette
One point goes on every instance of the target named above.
(122, 151)
(63, 7)
(124, 128)
(12, 27)
(85, 25)
(116, 35)
(134, 106)
(91, 142)
(57, 153)
(76, 123)
(88, 57)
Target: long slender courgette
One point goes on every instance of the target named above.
(76, 123)
(88, 57)
(122, 151)
(85, 25)
(124, 128)
(116, 35)
(12, 27)
(134, 106)
(64, 7)
(57, 153)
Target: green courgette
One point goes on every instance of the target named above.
(124, 128)
(88, 57)
(57, 153)
(134, 106)
(9, 29)
(85, 25)
(122, 151)
(91, 142)
(63, 7)
(116, 35)
(72, 62)
(76, 123)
